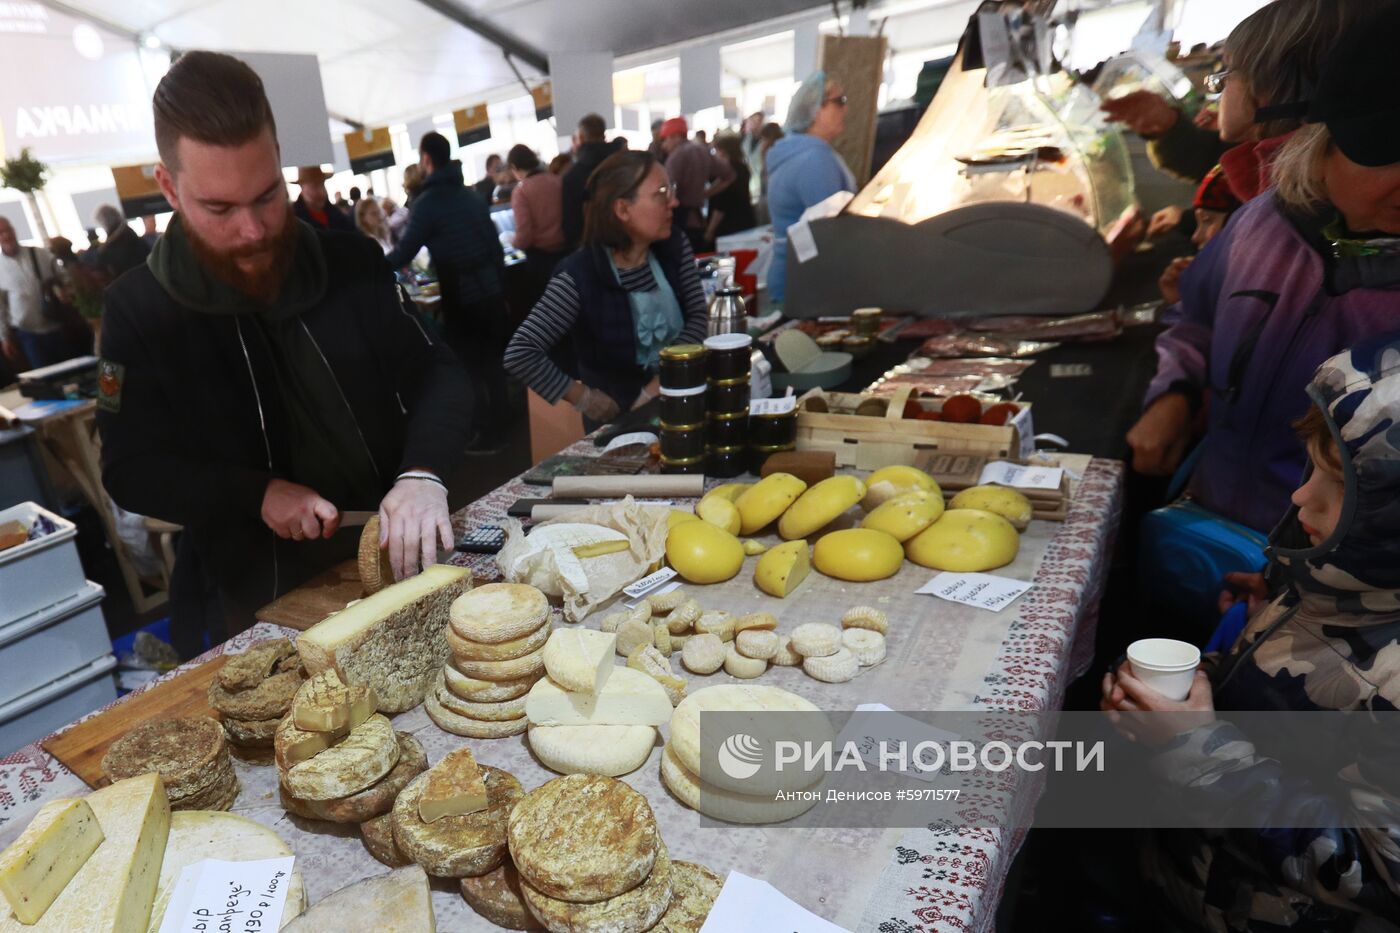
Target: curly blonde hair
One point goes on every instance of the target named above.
(1297, 169)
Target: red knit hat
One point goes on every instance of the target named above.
(676, 126)
(1215, 194)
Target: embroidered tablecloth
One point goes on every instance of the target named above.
(940, 877)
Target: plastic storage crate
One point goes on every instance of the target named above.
(52, 642)
(56, 704)
(41, 572)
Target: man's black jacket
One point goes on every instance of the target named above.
(192, 429)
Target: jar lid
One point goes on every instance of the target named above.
(867, 312)
(687, 461)
(774, 448)
(734, 449)
(728, 342)
(682, 351)
(682, 428)
(737, 380)
(683, 393)
(728, 415)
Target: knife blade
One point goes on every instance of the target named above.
(355, 519)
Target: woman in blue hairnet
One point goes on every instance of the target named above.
(802, 167)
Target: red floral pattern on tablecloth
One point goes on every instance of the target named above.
(946, 877)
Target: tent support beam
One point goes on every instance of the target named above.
(508, 43)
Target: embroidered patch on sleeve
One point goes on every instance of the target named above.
(110, 377)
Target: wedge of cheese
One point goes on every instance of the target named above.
(38, 865)
(628, 698)
(454, 787)
(392, 641)
(579, 659)
(325, 704)
(114, 890)
(399, 902)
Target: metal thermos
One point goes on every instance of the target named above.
(728, 313)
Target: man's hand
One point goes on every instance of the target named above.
(1130, 704)
(1161, 435)
(1147, 114)
(1165, 221)
(1170, 282)
(413, 518)
(298, 512)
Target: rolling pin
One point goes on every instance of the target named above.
(615, 487)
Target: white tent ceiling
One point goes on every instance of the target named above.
(389, 60)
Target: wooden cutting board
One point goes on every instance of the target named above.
(315, 599)
(81, 748)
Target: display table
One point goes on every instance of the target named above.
(942, 656)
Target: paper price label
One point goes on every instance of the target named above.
(748, 905)
(650, 582)
(773, 406)
(875, 723)
(1002, 473)
(241, 897)
(979, 590)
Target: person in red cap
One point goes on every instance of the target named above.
(697, 174)
(1214, 203)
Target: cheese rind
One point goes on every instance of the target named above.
(357, 761)
(393, 640)
(454, 787)
(292, 746)
(115, 888)
(399, 902)
(611, 751)
(628, 698)
(325, 704)
(35, 867)
(579, 659)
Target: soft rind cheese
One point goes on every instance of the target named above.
(196, 835)
(454, 787)
(114, 890)
(393, 640)
(628, 698)
(325, 704)
(611, 751)
(579, 659)
(357, 761)
(399, 902)
(35, 867)
(291, 746)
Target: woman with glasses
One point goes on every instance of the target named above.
(594, 337)
(803, 169)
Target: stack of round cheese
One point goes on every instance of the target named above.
(459, 846)
(254, 690)
(190, 754)
(497, 636)
(750, 799)
(350, 766)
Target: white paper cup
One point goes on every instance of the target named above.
(1165, 664)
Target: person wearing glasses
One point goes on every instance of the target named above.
(803, 169)
(1271, 62)
(594, 337)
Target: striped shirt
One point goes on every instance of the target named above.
(555, 314)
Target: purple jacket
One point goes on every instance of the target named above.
(1261, 310)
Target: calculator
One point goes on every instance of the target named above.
(486, 539)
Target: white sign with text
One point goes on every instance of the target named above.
(239, 897)
(979, 590)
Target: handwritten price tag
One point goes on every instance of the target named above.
(240, 897)
(773, 406)
(979, 590)
(1021, 477)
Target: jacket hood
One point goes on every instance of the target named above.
(449, 174)
(173, 263)
(1357, 568)
(793, 148)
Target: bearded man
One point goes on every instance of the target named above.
(260, 377)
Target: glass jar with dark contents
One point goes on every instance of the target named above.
(683, 406)
(690, 465)
(769, 430)
(682, 366)
(728, 355)
(728, 430)
(725, 462)
(682, 441)
(729, 396)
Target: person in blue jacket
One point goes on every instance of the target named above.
(803, 169)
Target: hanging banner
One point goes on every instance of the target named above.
(543, 95)
(473, 124)
(137, 189)
(369, 149)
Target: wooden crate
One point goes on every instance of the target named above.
(871, 441)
